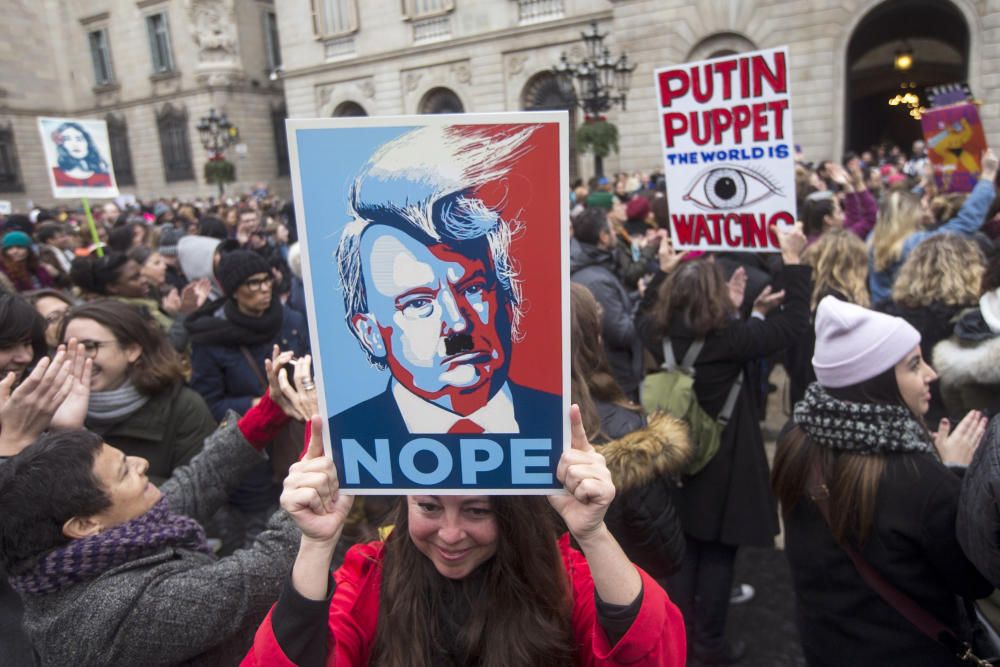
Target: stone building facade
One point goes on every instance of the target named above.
(348, 57)
(152, 69)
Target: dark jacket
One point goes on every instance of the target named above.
(841, 620)
(176, 606)
(978, 523)
(935, 323)
(15, 649)
(168, 431)
(643, 463)
(968, 365)
(729, 500)
(221, 375)
(595, 269)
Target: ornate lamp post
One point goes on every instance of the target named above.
(217, 134)
(597, 83)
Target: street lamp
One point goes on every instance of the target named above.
(596, 83)
(217, 134)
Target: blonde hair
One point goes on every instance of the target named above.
(945, 268)
(840, 263)
(899, 216)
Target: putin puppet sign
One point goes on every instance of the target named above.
(435, 262)
(726, 133)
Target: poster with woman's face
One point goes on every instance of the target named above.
(78, 158)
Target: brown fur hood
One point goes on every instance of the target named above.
(661, 448)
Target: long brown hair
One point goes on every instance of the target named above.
(591, 373)
(696, 294)
(159, 366)
(852, 479)
(520, 606)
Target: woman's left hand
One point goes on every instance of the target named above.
(587, 480)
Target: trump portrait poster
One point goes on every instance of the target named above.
(78, 157)
(435, 257)
(728, 153)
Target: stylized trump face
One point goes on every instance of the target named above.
(436, 316)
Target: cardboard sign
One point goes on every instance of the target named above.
(728, 152)
(435, 258)
(78, 158)
(949, 93)
(955, 145)
(5, 207)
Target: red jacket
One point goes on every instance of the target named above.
(656, 637)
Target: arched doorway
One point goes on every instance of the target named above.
(543, 93)
(936, 35)
(349, 109)
(440, 100)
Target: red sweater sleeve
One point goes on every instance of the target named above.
(656, 637)
(262, 422)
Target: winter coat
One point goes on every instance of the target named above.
(935, 323)
(168, 431)
(176, 606)
(729, 500)
(841, 620)
(595, 269)
(978, 523)
(656, 637)
(970, 217)
(968, 366)
(642, 517)
(220, 373)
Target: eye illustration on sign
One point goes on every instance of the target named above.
(729, 186)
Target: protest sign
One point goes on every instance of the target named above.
(78, 157)
(5, 207)
(435, 257)
(726, 137)
(955, 144)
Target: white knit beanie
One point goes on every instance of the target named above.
(854, 344)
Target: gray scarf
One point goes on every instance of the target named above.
(109, 407)
(861, 428)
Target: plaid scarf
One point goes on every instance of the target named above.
(862, 428)
(89, 557)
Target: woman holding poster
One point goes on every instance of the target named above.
(468, 580)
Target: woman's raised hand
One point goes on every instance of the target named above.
(737, 285)
(25, 412)
(957, 447)
(586, 478)
(299, 401)
(311, 494)
(792, 241)
(72, 412)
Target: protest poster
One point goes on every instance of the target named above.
(955, 144)
(78, 157)
(435, 257)
(5, 207)
(728, 152)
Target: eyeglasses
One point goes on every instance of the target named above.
(92, 347)
(55, 317)
(258, 284)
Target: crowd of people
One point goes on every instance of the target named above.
(164, 497)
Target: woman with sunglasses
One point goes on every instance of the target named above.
(138, 401)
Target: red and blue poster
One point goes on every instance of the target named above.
(955, 143)
(728, 152)
(435, 256)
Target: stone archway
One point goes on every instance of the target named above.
(542, 93)
(440, 100)
(937, 34)
(349, 108)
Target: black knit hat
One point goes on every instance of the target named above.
(235, 267)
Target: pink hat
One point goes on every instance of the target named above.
(854, 344)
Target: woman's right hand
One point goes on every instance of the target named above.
(792, 242)
(311, 494)
(990, 163)
(25, 412)
(958, 447)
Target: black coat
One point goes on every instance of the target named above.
(595, 269)
(978, 522)
(841, 620)
(643, 463)
(730, 500)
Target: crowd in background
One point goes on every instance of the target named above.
(172, 334)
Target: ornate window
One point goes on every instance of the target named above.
(121, 155)
(536, 11)
(10, 172)
(334, 17)
(159, 43)
(100, 55)
(174, 144)
(418, 9)
(278, 115)
(440, 100)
